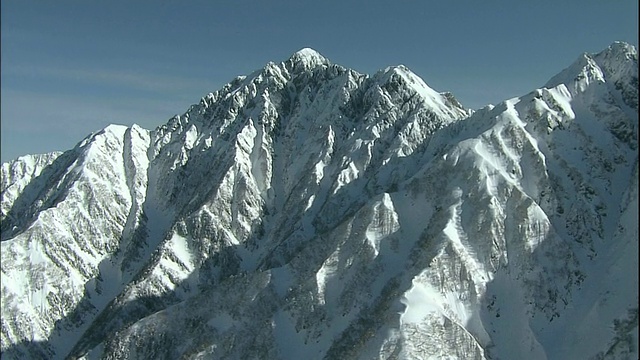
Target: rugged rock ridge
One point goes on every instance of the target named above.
(309, 209)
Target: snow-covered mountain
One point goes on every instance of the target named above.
(310, 211)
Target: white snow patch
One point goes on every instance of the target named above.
(346, 176)
(384, 223)
(310, 202)
(190, 137)
(179, 246)
(420, 301)
(327, 271)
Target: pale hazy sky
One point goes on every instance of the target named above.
(69, 68)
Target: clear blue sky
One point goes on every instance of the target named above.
(72, 67)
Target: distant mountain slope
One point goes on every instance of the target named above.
(307, 210)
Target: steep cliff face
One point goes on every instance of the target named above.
(309, 210)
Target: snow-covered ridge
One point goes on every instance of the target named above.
(616, 65)
(308, 210)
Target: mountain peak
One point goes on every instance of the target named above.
(618, 60)
(444, 104)
(617, 56)
(621, 48)
(308, 58)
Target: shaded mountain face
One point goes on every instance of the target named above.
(309, 211)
